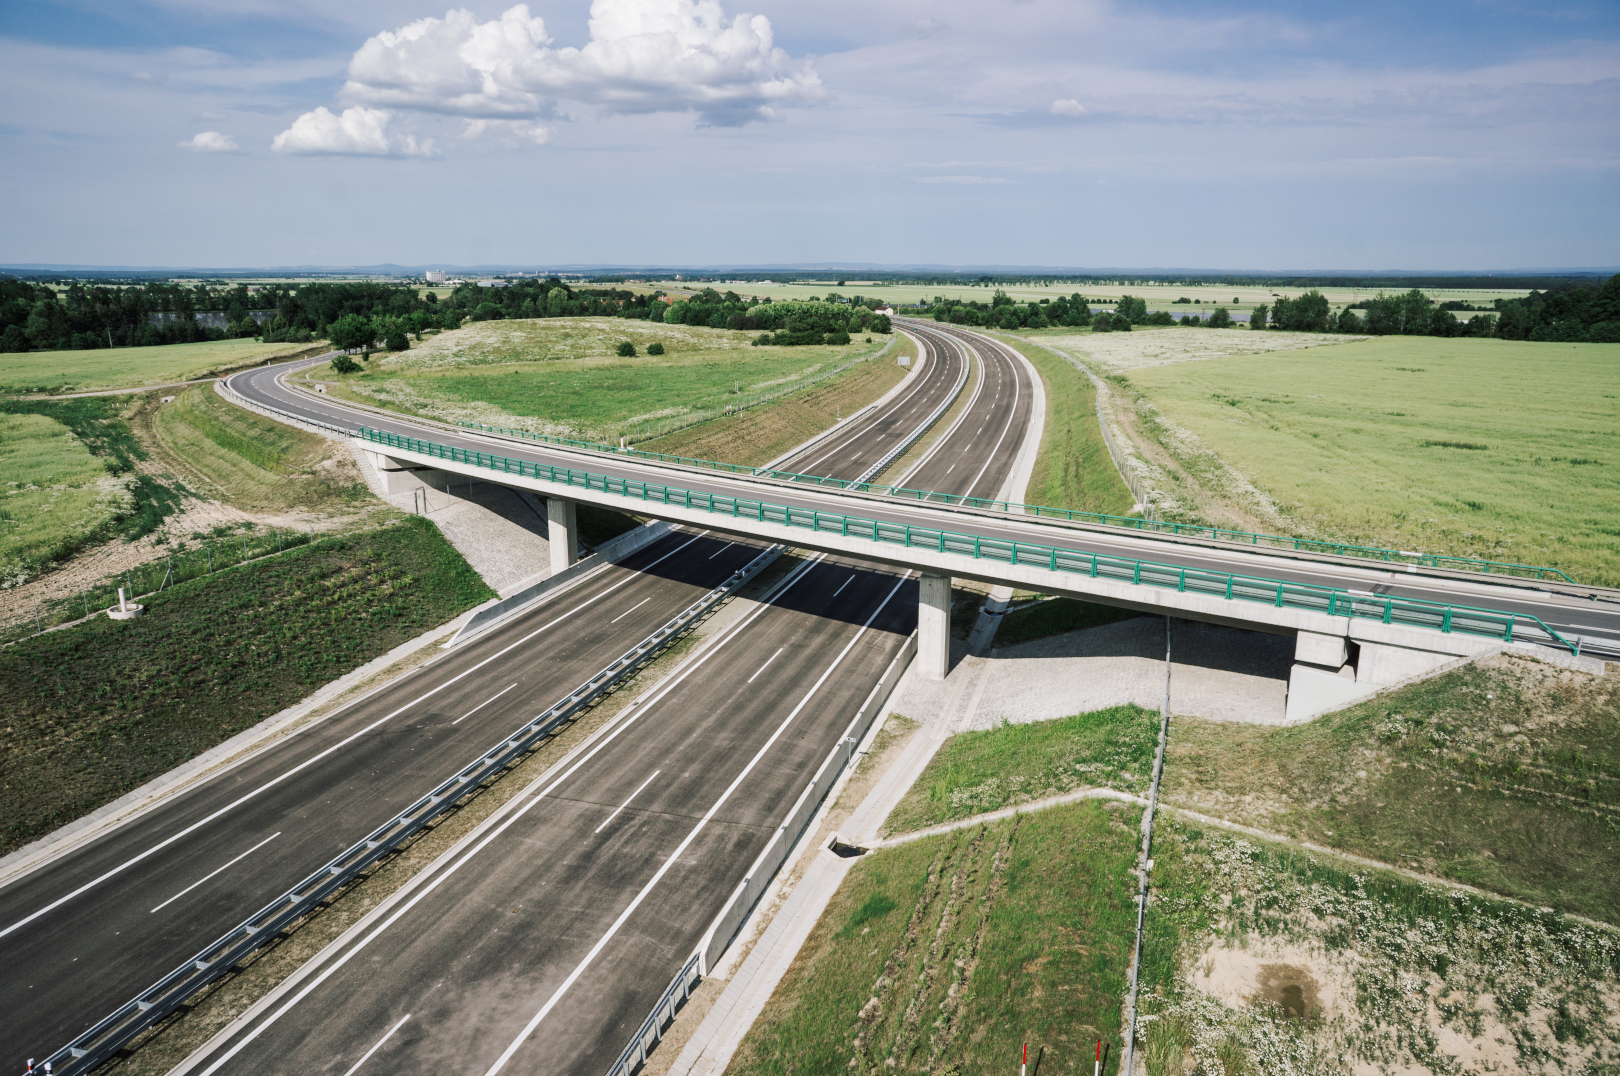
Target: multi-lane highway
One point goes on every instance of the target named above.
(543, 944)
(87, 929)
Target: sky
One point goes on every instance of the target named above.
(1460, 135)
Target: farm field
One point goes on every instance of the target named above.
(561, 376)
(55, 496)
(1229, 295)
(1486, 448)
(99, 708)
(131, 367)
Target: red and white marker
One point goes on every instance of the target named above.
(1098, 1069)
(1023, 1068)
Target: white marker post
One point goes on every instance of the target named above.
(122, 606)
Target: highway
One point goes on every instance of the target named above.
(1590, 613)
(542, 945)
(88, 929)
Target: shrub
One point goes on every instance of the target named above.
(345, 365)
(836, 338)
(655, 348)
(397, 340)
(625, 350)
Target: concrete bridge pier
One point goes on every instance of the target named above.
(562, 532)
(934, 626)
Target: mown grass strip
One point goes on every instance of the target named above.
(98, 709)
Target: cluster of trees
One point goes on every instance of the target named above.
(551, 298)
(812, 322)
(1574, 313)
(1001, 312)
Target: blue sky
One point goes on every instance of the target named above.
(1442, 135)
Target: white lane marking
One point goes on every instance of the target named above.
(404, 909)
(130, 862)
(367, 1055)
(721, 550)
(845, 583)
(632, 609)
(626, 803)
(209, 875)
(481, 705)
(951, 468)
(1012, 415)
(869, 425)
(680, 850)
(768, 660)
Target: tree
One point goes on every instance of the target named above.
(1132, 307)
(625, 350)
(351, 331)
(1257, 320)
(13, 339)
(396, 339)
(556, 302)
(1221, 319)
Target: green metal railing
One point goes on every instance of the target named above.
(1467, 620)
(1270, 541)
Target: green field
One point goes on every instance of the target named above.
(54, 494)
(98, 709)
(560, 375)
(945, 955)
(131, 367)
(1484, 448)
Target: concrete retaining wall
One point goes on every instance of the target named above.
(724, 929)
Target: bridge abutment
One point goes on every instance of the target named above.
(934, 626)
(562, 526)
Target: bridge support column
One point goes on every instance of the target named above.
(934, 627)
(562, 532)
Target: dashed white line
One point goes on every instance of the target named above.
(367, 1055)
(844, 584)
(481, 705)
(626, 803)
(770, 659)
(630, 610)
(205, 877)
(722, 549)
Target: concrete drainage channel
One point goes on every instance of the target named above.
(727, 926)
(166, 995)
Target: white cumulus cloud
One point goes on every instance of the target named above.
(1070, 108)
(642, 56)
(358, 132)
(211, 142)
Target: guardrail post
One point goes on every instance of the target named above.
(934, 626)
(562, 529)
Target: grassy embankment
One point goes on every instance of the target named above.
(95, 710)
(945, 954)
(561, 375)
(1484, 448)
(132, 367)
(68, 480)
(248, 460)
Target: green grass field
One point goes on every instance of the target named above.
(130, 367)
(945, 955)
(1485, 448)
(1504, 775)
(1073, 468)
(560, 375)
(95, 710)
(55, 495)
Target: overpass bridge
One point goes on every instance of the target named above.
(1358, 624)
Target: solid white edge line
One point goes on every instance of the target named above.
(481, 705)
(367, 1055)
(845, 583)
(721, 550)
(633, 608)
(638, 707)
(93, 883)
(209, 875)
(680, 849)
(1012, 417)
(767, 664)
(626, 802)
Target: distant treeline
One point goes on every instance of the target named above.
(1002, 313)
(1572, 314)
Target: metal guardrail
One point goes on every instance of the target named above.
(1412, 612)
(1153, 526)
(652, 1028)
(157, 1001)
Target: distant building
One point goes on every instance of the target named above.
(494, 284)
(435, 276)
(886, 310)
